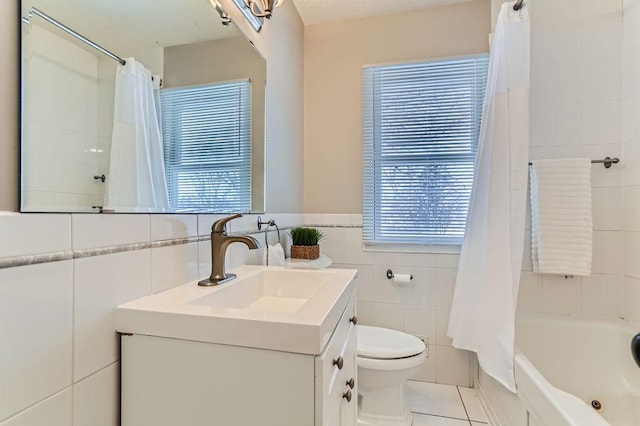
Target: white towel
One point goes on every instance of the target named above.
(561, 216)
(274, 255)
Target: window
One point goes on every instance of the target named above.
(420, 129)
(207, 145)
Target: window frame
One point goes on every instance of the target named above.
(245, 102)
(424, 245)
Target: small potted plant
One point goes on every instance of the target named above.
(305, 243)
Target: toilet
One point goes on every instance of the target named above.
(386, 360)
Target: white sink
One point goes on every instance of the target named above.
(269, 290)
(264, 307)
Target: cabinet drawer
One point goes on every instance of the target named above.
(331, 381)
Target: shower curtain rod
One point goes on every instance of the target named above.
(519, 5)
(80, 37)
(607, 161)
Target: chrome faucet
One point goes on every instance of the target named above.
(219, 243)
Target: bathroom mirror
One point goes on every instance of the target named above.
(68, 102)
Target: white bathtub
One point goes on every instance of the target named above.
(563, 363)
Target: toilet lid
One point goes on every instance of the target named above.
(383, 343)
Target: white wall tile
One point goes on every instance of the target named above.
(166, 227)
(632, 254)
(445, 285)
(36, 326)
(560, 295)
(354, 252)
(601, 35)
(104, 230)
(607, 252)
(24, 234)
(452, 366)
(631, 211)
(414, 292)
(388, 315)
(448, 260)
(420, 321)
(365, 313)
(607, 209)
(96, 399)
(53, 411)
(601, 79)
(601, 122)
(365, 280)
(602, 295)
(333, 245)
(172, 266)
(442, 324)
(101, 284)
(631, 296)
(530, 292)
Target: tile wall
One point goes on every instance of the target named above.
(420, 307)
(60, 128)
(631, 152)
(576, 111)
(57, 318)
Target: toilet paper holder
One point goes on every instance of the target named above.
(390, 275)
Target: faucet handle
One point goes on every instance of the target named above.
(220, 224)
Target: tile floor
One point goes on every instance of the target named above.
(444, 405)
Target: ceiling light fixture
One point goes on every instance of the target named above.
(263, 8)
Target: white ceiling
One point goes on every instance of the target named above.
(317, 11)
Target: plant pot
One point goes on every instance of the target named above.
(305, 252)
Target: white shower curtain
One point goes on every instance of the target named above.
(136, 178)
(483, 311)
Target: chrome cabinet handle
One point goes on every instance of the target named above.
(351, 383)
(354, 320)
(339, 362)
(347, 395)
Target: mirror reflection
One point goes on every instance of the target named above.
(168, 117)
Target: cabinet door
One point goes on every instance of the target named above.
(348, 409)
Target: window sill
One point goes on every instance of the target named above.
(412, 248)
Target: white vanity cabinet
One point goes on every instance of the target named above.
(168, 381)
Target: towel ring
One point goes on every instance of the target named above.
(269, 224)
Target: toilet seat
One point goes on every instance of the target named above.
(383, 344)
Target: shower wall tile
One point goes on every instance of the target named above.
(561, 295)
(631, 298)
(607, 252)
(607, 209)
(601, 295)
(530, 293)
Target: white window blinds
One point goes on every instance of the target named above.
(420, 128)
(207, 143)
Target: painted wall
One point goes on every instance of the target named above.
(631, 155)
(333, 58)
(9, 110)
